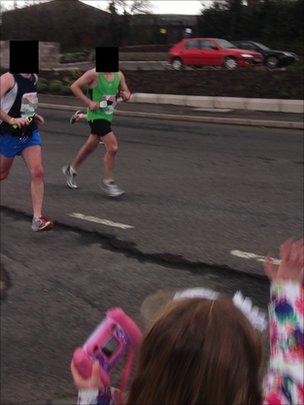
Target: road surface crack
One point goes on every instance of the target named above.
(130, 250)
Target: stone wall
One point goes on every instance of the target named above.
(49, 55)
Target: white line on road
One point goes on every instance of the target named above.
(100, 221)
(248, 255)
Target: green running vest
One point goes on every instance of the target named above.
(104, 90)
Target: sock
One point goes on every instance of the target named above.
(73, 171)
(108, 181)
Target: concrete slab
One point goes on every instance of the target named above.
(199, 101)
(230, 102)
(171, 99)
(291, 106)
(213, 110)
(260, 104)
(144, 98)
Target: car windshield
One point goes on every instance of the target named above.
(225, 44)
(263, 47)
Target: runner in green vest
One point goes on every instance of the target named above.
(100, 101)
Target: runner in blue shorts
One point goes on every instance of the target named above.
(19, 135)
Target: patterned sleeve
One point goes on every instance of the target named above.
(283, 383)
(87, 397)
(94, 397)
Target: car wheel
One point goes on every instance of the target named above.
(272, 62)
(177, 64)
(230, 63)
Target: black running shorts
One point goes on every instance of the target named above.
(100, 127)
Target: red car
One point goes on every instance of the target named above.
(211, 52)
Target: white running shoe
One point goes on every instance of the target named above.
(70, 176)
(111, 189)
(76, 117)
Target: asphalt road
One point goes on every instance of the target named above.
(61, 283)
(193, 194)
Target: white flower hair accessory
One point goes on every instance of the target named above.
(256, 317)
(196, 293)
(252, 313)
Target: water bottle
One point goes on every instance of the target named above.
(23, 130)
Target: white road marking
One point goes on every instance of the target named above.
(100, 221)
(248, 255)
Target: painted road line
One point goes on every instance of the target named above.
(248, 255)
(106, 222)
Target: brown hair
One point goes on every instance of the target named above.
(199, 351)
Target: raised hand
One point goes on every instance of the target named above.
(292, 262)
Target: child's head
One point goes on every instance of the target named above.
(199, 351)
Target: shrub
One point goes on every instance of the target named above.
(65, 90)
(56, 86)
(75, 74)
(66, 57)
(71, 57)
(67, 81)
(42, 87)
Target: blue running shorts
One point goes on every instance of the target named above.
(10, 146)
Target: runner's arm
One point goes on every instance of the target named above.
(6, 84)
(39, 119)
(123, 87)
(85, 80)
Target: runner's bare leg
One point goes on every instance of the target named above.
(5, 165)
(111, 146)
(88, 148)
(32, 158)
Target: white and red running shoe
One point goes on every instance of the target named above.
(42, 224)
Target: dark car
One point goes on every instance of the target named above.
(211, 52)
(272, 59)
